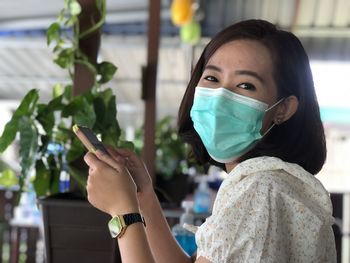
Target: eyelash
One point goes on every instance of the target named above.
(248, 86)
(244, 85)
(211, 78)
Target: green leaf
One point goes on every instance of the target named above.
(77, 103)
(106, 114)
(28, 144)
(57, 90)
(26, 108)
(79, 178)
(126, 145)
(66, 3)
(85, 116)
(8, 178)
(101, 6)
(55, 182)
(53, 165)
(71, 21)
(9, 134)
(28, 104)
(100, 111)
(55, 104)
(59, 46)
(42, 179)
(61, 16)
(63, 134)
(65, 58)
(68, 92)
(111, 117)
(111, 137)
(106, 95)
(53, 33)
(76, 151)
(105, 109)
(46, 119)
(46, 113)
(106, 71)
(74, 8)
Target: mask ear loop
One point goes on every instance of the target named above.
(274, 123)
(274, 105)
(269, 129)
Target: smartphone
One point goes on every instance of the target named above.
(89, 139)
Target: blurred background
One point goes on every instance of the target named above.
(323, 27)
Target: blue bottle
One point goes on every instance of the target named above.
(64, 176)
(202, 198)
(185, 238)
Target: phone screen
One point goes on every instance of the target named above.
(89, 139)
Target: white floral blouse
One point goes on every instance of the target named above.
(268, 210)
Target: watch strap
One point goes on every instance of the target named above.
(133, 218)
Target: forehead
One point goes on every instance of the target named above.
(243, 54)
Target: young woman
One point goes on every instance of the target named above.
(250, 107)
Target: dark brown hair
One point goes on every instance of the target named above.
(299, 140)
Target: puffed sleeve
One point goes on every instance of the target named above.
(258, 220)
(237, 228)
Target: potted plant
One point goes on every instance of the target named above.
(49, 151)
(175, 167)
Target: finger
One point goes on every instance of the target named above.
(129, 155)
(125, 152)
(116, 156)
(110, 150)
(90, 159)
(108, 160)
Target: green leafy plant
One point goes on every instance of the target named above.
(7, 175)
(172, 154)
(41, 126)
(175, 165)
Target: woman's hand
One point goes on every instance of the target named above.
(135, 166)
(110, 187)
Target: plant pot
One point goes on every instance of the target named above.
(75, 231)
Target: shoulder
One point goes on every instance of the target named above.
(266, 177)
(263, 173)
(270, 200)
(272, 172)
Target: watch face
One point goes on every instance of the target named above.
(115, 226)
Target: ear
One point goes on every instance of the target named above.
(286, 109)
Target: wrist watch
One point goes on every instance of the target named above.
(118, 224)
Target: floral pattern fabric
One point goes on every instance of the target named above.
(268, 210)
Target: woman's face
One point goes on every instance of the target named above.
(244, 67)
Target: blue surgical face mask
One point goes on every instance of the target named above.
(228, 124)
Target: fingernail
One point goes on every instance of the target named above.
(99, 152)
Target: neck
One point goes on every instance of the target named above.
(230, 166)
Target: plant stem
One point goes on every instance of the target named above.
(99, 23)
(88, 65)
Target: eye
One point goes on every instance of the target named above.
(246, 86)
(211, 78)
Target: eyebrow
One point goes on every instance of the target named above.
(250, 73)
(238, 72)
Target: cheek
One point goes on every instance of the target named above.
(200, 82)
